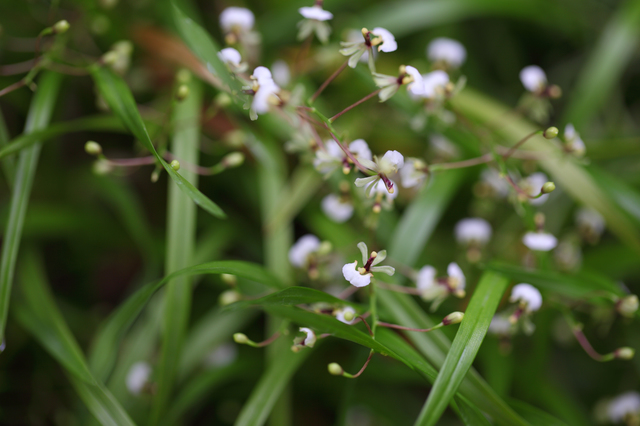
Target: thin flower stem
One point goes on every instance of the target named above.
(582, 339)
(373, 308)
(269, 340)
(14, 86)
(364, 367)
(518, 189)
(132, 162)
(401, 327)
(486, 158)
(400, 289)
(17, 68)
(366, 98)
(519, 144)
(316, 136)
(348, 153)
(366, 323)
(329, 80)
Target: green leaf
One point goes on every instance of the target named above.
(293, 296)
(38, 118)
(102, 356)
(8, 164)
(465, 346)
(534, 415)
(119, 98)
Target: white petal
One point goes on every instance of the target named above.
(236, 17)
(230, 55)
(261, 103)
(315, 12)
(394, 158)
(337, 211)
(447, 50)
(434, 82)
(625, 404)
(417, 86)
(493, 179)
(310, 340)
(590, 219)
(534, 183)
(409, 176)
(454, 271)
(262, 75)
(528, 294)
(533, 78)
(540, 241)
(500, 325)
(299, 252)
(360, 149)
(380, 188)
(569, 132)
(426, 278)
(388, 40)
(352, 275)
(473, 230)
(281, 73)
(340, 315)
(137, 377)
(222, 356)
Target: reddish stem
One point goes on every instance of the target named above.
(348, 153)
(582, 339)
(269, 340)
(364, 367)
(366, 98)
(329, 80)
(401, 327)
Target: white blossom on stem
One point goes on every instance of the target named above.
(232, 59)
(314, 22)
(573, 141)
(533, 78)
(338, 209)
(528, 296)
(438, 289)
(390, 163)
(624, 406)
(361, 277)
(236, 19)
(539, 241)
(138, 377)
(380, 37)
(413, 173)
(449, 51)
(473, 231)
(265, 92)
(533, 186)
(302, 249)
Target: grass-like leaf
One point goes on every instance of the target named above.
(293, 296)
(8, 164)
(465, 346)
(119, 98)
(39, 115)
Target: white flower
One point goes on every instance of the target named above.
(533, 78)
(434, 83)
(500, 325)
(527, 295)
(236, 18)
(443, 147)
(539, 241)
(388, 83)
(573, 140)
(355, 37)
(390, 163)
(281, 73)
(388, 42)
(533, 185)
(223, 355)
(341, 314)
(626, 404)
(336, 209)
(360, 149)
(416, 87)
(310, 340)
(230, 55)
(315, 12)
(444, 49)
(379, 187)
(457, 280)
(473, 230)
(266, 91)
(498, 185)
(262, 75)
(412, 174)
(437, 290)
(426, 281)
(328, 160)
(300, 251)
(137, 377)
(361, 277)
(590, 220)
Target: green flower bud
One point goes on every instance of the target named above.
(175, 165)
(453, 318)
(182, 92)
(551, 132)
(325, 248)
(349, 316)
(60, 27)
(233, 159)
(241, 338)
(93, 148)
(223, 100)
(229, 279)
(110, 58)
(548, 187)
(183, 76)
(335, 369)
(624, 353)
(228, 297)
(627, 306)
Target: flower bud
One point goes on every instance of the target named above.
(233, 159)
(453, 318)
(548, 187)
(349, 315)
(229, 279)
(183, 76)
(182, 92)
(228, 297)
(627, 306)
(102, 167)
(223, 100)
(110, 58)
(93, 148)
(60, 27)
(550, 133)
(335, 369)
(241, 338)
(624, 353)
(175, 165)
(325, 248)
(554, 91)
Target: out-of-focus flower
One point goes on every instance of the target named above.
(138, 377)
(281, 73)
(314, 22)
(380, 37)
(540, 241)
(473, 231)
(528, 296)
(361, 277)
(624, 406)
(336, 208)
(533, 78)
(574, 143)
(237, 19)
(413, 173)
(265, 92)
(346, 315)
(437, 289)
(532, 185)
(232, 59)
(447, 51)
(302, 249)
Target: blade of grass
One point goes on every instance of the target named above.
(534, 415)
(39, 114)
(120, 100)
(465, 346)
(8, 164)
(181, 228)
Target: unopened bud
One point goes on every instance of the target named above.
(539, 220)
(229, 279)
(223, 100)
(554, 91)
(233, 159)
(325, 248)
(235, 138)
(627, 306)
(155, 175)
(453, 318)
(110, 58)
(60, 27)
(182, 92)
(241, 338)
(92, 148)
(102, 167)
(550, 133)
(624, 353)
(349, 315)
(228, 297)
(335, 369)
(183, 76)
(548, 187)
(175, 165)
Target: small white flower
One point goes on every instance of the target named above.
(354, 37)
(500, 325)
(426, 278)
(390, 163)
(473, 230)
(223, 355)
(416, 87)
(533, 78)
(310, 340)
(230, 55)
(266, 91)
(457, 280)
(590, 220)
(443, 147)
(361, 277)
(300, 251)
(379, 187)
(352, 275)
(137, 377)
(498, 185)
(573, 140)
(337, 210)
(447, 50)
(528, 295)
(626, 404)
(236, 18)
(281, 73)
(539, 241)
(360, 149)
(315, 12)
(351, 313)
(326, 161)
(412, 174)
(437, 289)
(435, 84)
(388, 42)
(533, 185)
(388, 83)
